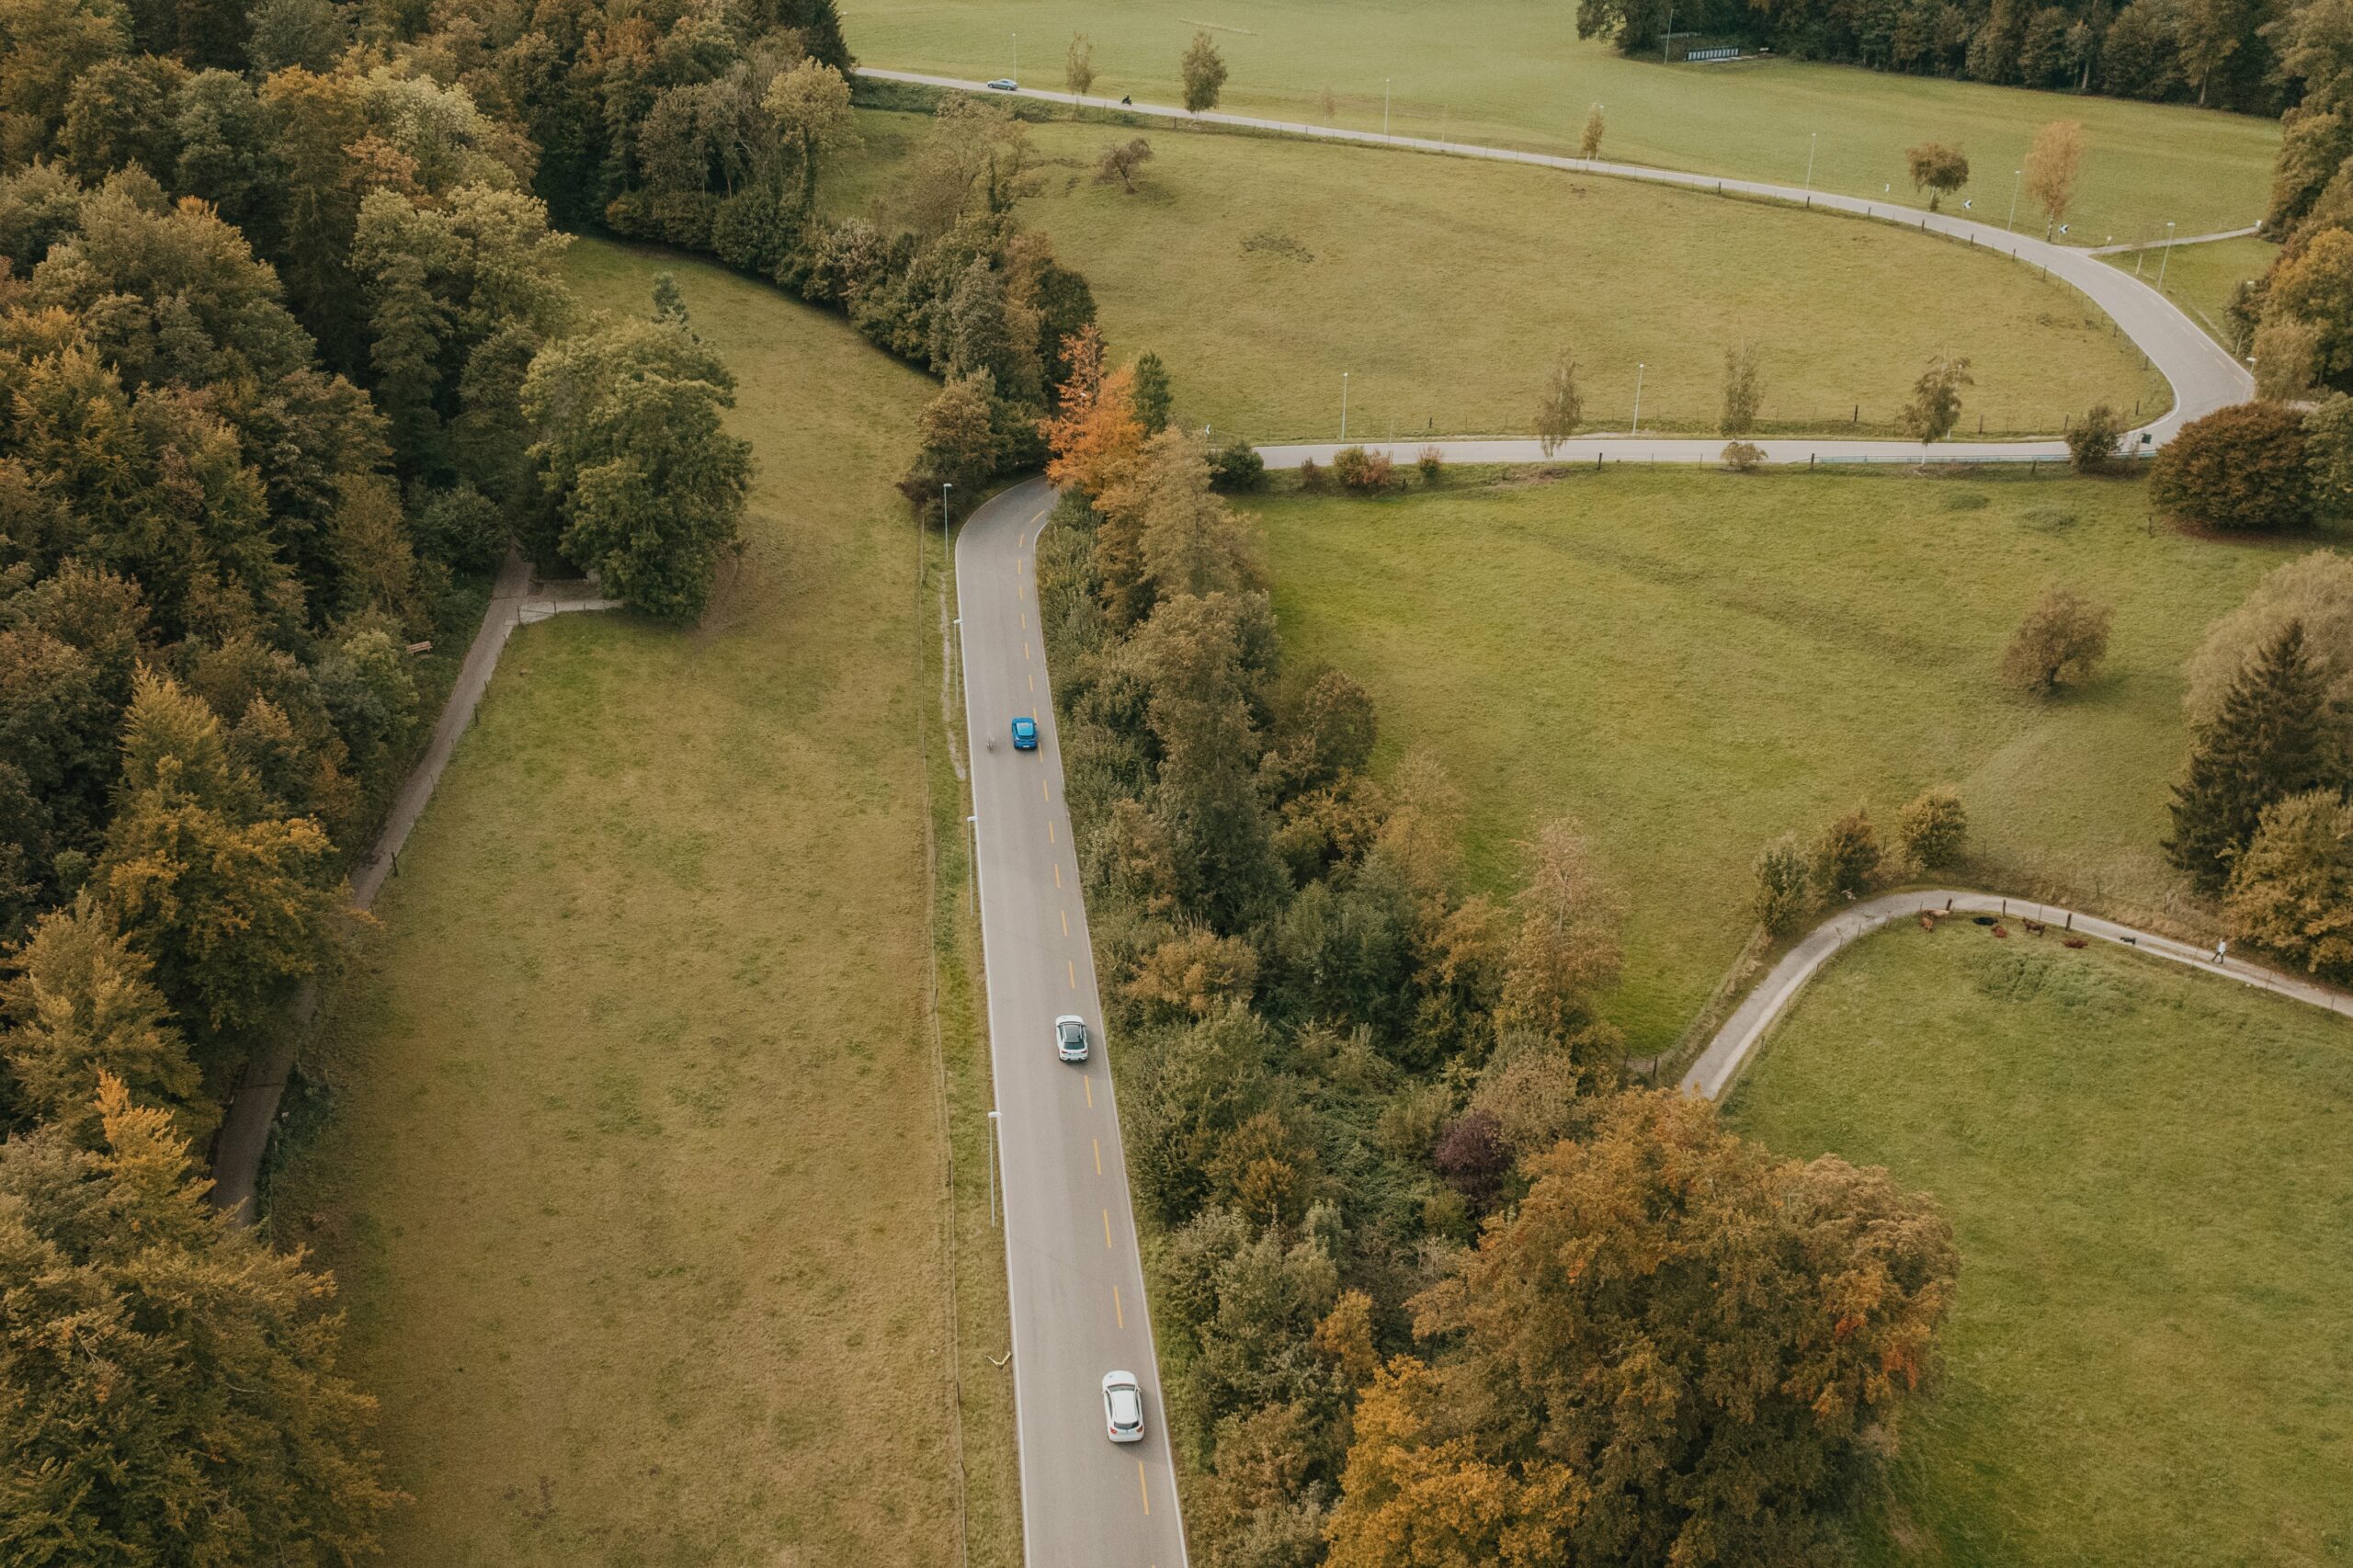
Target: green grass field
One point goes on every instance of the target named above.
(1694, 663)
(630, 1158)
(2201, 278)
(2149, 1172)
(1262, 269)
(1513, 72)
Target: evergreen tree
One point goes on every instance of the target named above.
(1153, 394)
(2265, 744)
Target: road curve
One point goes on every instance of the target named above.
(2203, 375)
(1720, 1065)
(1072, 1264)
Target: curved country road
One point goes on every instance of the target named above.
(1719, 1066)
(1071, 1265)
(2203, 376)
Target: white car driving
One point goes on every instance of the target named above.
(1070, 1038)
(1123, 1407)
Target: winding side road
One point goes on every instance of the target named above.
(1720, 1064)
(2203, 375)
(1072, 1269)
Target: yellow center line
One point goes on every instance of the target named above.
(1025, 621)
(1073, 967)
(1143, 1490)
(1058, 873)
(1098, 1154)
(1107, 1227)
(1025, 649)
(1042, 791)
(1050, 830)
(1090, 1085)
(1033, 682)
(1021, 590)
(1065, 913)
(1019, 562)
(1117, 1310)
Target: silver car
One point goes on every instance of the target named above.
(1122, 1407)
(1070, 1038)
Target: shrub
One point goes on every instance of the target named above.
(2062, 638)
(1432, 463)
(1742, 457)
(1472, 1157)
(2291, 889)
(1237, 467)
(1311, 477)
(2237, 468)
(2091, 442)
(1365, 473)
(1931, 827)
(1847, 855)
(1783, 890)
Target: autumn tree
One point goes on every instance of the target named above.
(1784, 885)
(2267, 742)
(1095, 436)
(956, 441)
(1119, 162)
(172, 1394)
(1730, 1338)
(1935, 405)
(2313, 590)
(1561, 408)
(1589, 139)
(2053, 163)
(2061, 640)
(1932, 828)
(2236, 469)
(811, 103)
(2310, 294)
(1846, 858)
(1743, 389)
(2092, 439)
(1938, 169)
(649, 486)
(2290, 890)
(1203, 70)
(1567, 946)
(1078, 66)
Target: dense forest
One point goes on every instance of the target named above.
(2233, 54)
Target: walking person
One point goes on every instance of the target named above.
(2221, 949)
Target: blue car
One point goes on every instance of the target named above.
(1025, 734)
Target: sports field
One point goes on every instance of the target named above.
(1513, 73)
(2148, 1171)
(631, 1159)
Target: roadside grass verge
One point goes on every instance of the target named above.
(2148, 1172)
(2201, 278)
(1261, 269)
(630, 1157)
(1516, 74)
(1693, 664)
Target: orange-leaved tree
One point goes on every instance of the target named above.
(1095, 435)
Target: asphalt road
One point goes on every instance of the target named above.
(1076, 1275)
(2204, 378)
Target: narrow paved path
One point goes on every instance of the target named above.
(2129, 246)
(1720, 1065)
(1072, 1265)
(2203, 376)
(245, 1128)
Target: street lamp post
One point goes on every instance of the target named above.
(1638, 398)
(1385, 106)
(2167, 260)
(945, 550)
(2017, 177)
(1812, 140)
(1017, 54)
(1343, 405)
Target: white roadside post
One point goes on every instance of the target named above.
(1638, 398)
(1343, 405)
(2017, 177)
(1812, 141)
(2168, 259)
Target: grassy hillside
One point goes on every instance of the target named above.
(1513, 73)
(2149, 1172)
(630, 1164)
(1262, 269)
(1695, 663)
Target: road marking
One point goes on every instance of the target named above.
(1033, 682)
(1066, 914)
(1058, 873)
(1099, 1157)
(1073, 967)
(1107, 1228)
(1117, 1310)
(1143, 1490)
(1025, 649)
(1088, 1083)
(1050, 830)
(1025, 621)
(1042, 794)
